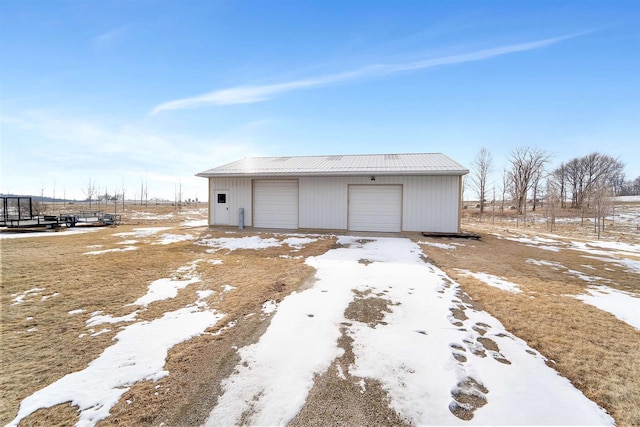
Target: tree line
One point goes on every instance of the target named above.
(585, 183)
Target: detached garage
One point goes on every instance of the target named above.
(385, 193)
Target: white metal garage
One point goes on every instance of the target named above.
(275, 204)
(418, 192)
(375, 208)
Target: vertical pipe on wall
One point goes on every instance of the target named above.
(210, 201)
(460, 201)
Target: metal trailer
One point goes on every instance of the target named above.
(98, 218)
(18, 212)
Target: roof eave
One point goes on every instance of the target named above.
(459, 172)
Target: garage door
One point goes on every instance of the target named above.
(375, 208)
(275, 204)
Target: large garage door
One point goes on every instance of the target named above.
(275, 204)
(375, 208)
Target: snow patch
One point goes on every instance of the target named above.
(46, 297)
(438, 245)
(167, 239)
(195, 223)
(554, 265)
(103, 331)
(166, 288)
(204, 294)
(269, 307)
(98, 319)
(20, 298)
(491, 280)
(138, 354)
(298, 242)
(162, 289)
(629, 264)
(235, 243)
(66, 232)
(104, 251)
(623, 305)
(142, 232)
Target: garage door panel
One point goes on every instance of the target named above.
(276, 204)
(375, 208)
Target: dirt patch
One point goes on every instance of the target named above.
(338, 398)
(468, 395)
(368, 309)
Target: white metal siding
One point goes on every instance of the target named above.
(323, 202)
(375, 208)
(275, 204)
(239, 196)
(429, 203)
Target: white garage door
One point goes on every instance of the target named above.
(375, 208)
(275, 204)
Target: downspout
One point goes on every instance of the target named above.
(210, 200)
(459, 202)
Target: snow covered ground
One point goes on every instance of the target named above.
(428, 361)
(65, 232)
(433, 353)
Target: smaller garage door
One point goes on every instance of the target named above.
(275, 204)
(375, 208)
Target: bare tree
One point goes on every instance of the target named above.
(506, 183)
(481, 167)
(560, 177)
(587, 174)
(526, 163)
(42, 187)
(602, 198)
(535, 186)
(553, 203)
(464, 186)
(90, 192)
(124, 191)
(178, 196)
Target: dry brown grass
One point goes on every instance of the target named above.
(110, 281)
(597, 352)
(569, 222)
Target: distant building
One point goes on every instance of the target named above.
(386, 192)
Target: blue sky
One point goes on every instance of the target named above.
(126, 91)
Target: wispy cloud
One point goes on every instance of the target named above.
(114, 152)
(259, 93)
(109, 38)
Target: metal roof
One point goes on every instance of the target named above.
(379, 164)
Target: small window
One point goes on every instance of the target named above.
(222, 198)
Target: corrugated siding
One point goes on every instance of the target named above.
(323, 202)
(430, 203)
(239, 197)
